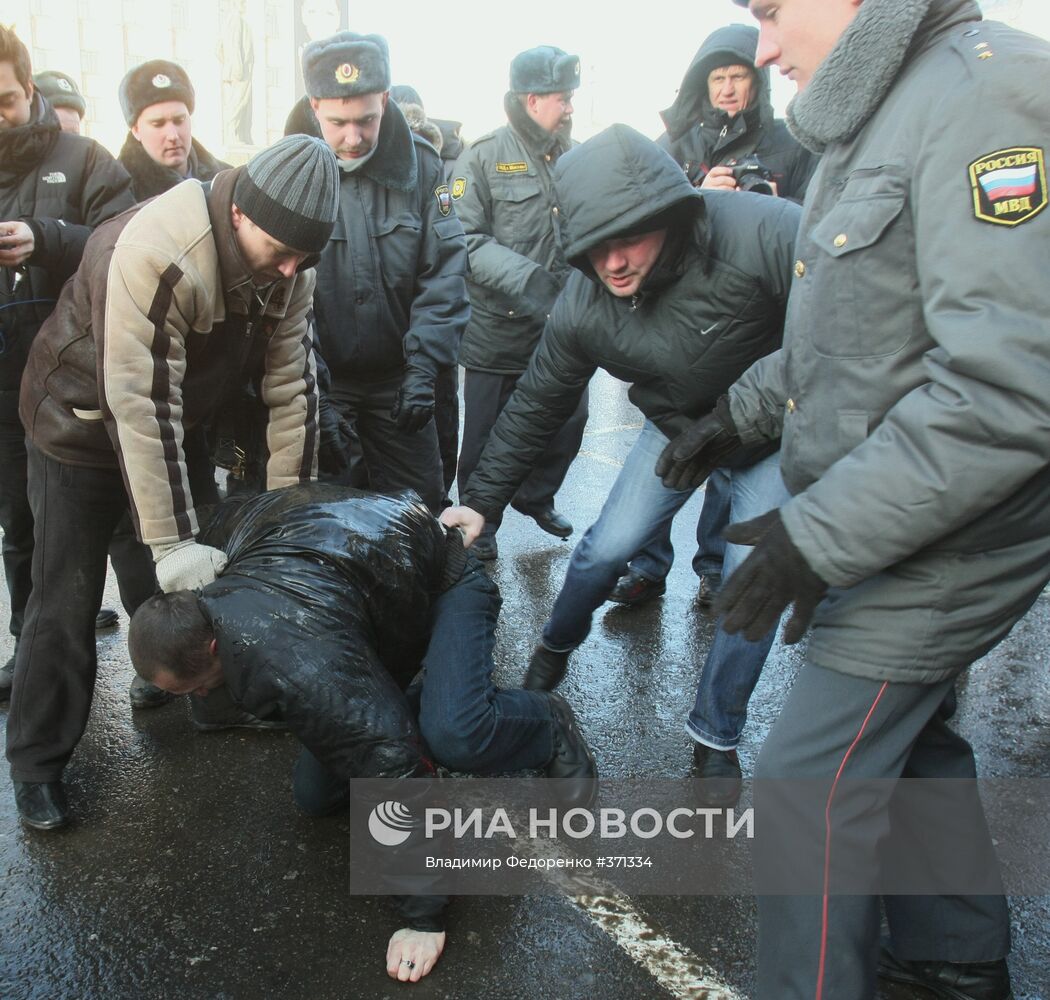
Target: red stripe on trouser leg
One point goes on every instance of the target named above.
(827, 843)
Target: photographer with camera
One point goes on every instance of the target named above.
(721, 131)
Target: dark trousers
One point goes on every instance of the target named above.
(446, 419)
(394, 459)
(16, 518)
(75, 512)
(853, 727)
(484, 396)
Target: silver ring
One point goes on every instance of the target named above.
(405, 961)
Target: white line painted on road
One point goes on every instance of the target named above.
(672, 965)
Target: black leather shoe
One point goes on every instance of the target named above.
(950, 980)
(717, 776)
(485, 547)
(709, 587)
(549, 520)
(633, 588)
(546, 669)
(106, 618)
(41, 804)
(142, 694)
(7, 678)
(572, 764)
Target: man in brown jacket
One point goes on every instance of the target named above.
(175, 303)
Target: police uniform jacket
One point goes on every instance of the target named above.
(504, 193)
(700, 136)
(160, 324)
(713, 303)
(61, 186)
(390, 283)
(911, 391)
(149, 178)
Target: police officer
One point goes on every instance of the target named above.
(391, 301)
(505, 197)
(911, 397)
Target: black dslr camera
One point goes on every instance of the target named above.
(751, 174)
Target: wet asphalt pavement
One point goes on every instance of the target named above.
(189, 873)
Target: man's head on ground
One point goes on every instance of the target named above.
(64, 96)
(544, 79)
(16, 83)
(797, 35)
(625, 204)
(285, 202)
(348, 79)
(172, 644)
(157, 99)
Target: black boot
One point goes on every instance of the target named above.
(546, 669)
(718, 777)
(572, 764)
(41, 804)
(548, 519)
(7, 678)
(950, 980)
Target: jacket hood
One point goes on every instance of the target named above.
(611, 184)
(736, 44)
(451, 141)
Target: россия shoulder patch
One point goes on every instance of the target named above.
(1009, 185)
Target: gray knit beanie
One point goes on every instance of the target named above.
(291, 191)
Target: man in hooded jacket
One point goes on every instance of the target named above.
(675, 292)
(910, 396)
(54, 189)
(723, 113)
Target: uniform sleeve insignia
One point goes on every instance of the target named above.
(444, 199)
(512, 168)
(1009, 185)
(347, 73)
(459, 188)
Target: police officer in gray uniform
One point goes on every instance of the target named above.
(505, 198)
(391, 302)
(910, 394)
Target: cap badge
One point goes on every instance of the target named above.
(64, 84)
(347, 73)
(160, 81)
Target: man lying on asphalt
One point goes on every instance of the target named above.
(331, 602)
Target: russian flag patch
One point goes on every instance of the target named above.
(1009, 185)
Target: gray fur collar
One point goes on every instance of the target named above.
(856, 75)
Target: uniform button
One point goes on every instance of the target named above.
(510, 312)
(840, 240)
(547, 157)
(555, 210)
(800, 269)
(791, 406)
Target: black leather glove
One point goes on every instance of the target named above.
(691, 457)
(414, 406)
(775, 575)
(337, 437)
(540, 294)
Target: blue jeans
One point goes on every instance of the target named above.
(633, 516)
(654, 562)
(467, 722)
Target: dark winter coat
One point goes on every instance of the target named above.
(700, 136)
(149, 178)
(61, 186)
(503, 187)
(713, 303)
(390, 283)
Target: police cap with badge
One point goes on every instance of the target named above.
(153, 82)
(544, 70)
(346, 65)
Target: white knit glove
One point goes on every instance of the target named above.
(187, 565)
